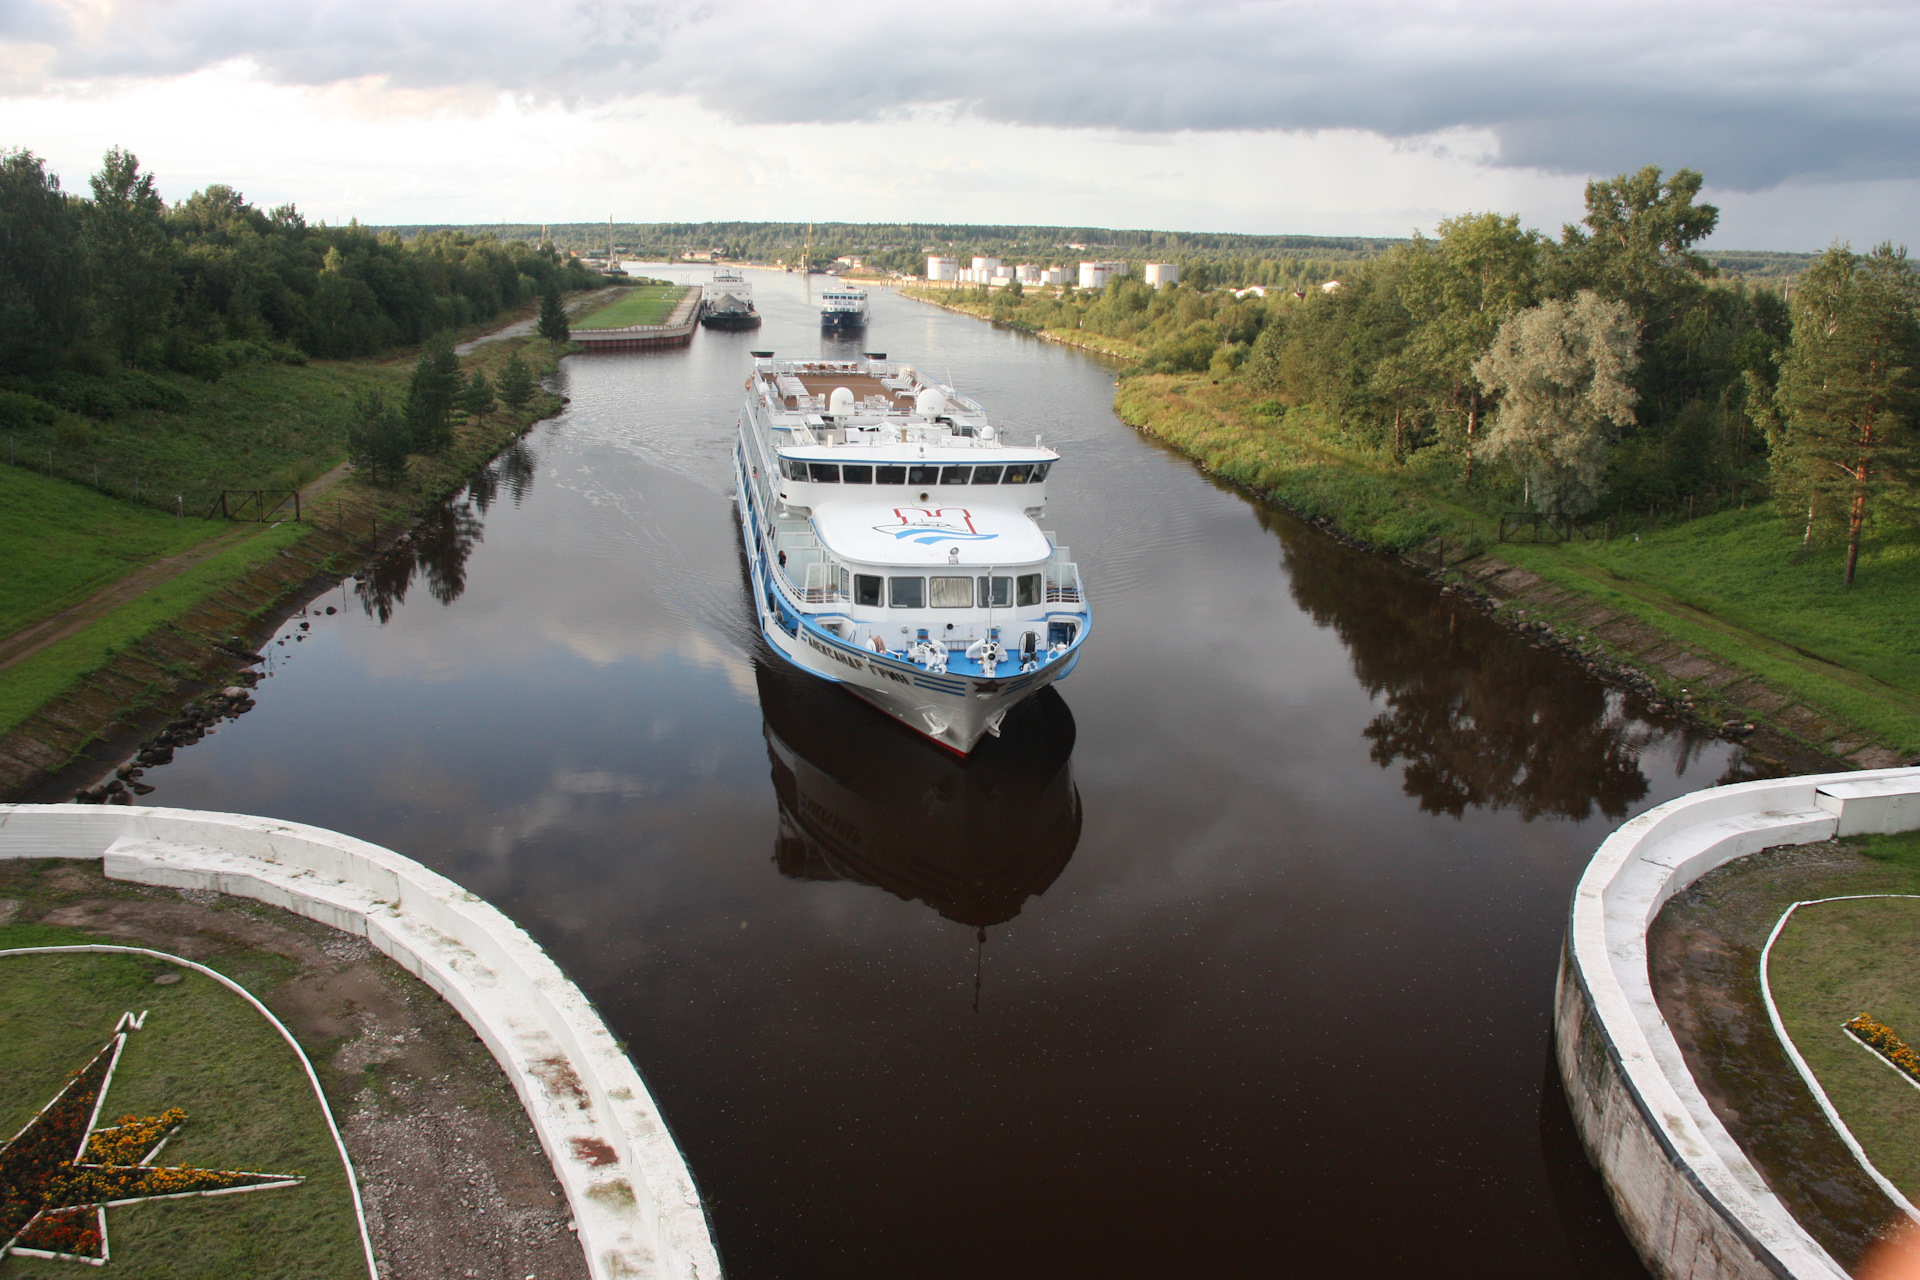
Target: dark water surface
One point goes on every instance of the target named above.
(1234, 958)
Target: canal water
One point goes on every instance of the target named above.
(1234, 957)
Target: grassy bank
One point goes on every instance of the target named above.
(1735, 584)
(61, 542)
(642, 304)
(967, 302)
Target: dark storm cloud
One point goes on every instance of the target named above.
(1751, 94)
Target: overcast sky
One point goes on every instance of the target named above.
(1367, 117)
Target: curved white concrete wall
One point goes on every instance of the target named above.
(635, 1204)
(1689, 1198)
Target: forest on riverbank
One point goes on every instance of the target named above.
(1733, 462)
(161, 364)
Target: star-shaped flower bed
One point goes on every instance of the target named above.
(60, 1174)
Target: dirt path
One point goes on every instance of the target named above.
(23, 644)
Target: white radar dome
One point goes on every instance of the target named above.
(841, 401)
(930, 403)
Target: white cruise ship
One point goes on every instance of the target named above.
(892, 533)
(843, 306)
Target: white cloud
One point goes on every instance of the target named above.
(1276, 117)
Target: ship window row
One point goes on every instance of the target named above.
(867, 473)
(989, 591)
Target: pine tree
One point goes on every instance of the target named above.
(378, 438)
(477, 399)
(516, 384)
(553, 317)
(432, 395)
(1845, 445)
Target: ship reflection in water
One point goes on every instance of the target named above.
(864, 799)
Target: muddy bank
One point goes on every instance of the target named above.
(453, 1180)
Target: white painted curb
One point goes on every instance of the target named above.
(1711, 1194)
(638, 1212)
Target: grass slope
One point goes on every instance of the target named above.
(642, 304)
(60, 542)
(1735, 584)
(263, 426)
(27, 685)
(248, 1103)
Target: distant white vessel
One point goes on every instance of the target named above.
(893, 537)
(844, 306)
(729, 302)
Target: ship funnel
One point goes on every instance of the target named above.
(841, 401)
(930, 403)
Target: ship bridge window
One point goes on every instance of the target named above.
(856, 473)
(908, 593)
(1029, 589)
(955, 475)
(1040, 471)
(996, 593)
(952, 593)
(892, 475)
(866, 589)
(923, 475)
(987, 475)
(824, 472)
(1018, 473)
(793, 469)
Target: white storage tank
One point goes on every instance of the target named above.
(1160, 274)
(942, 268)
(1094, 275)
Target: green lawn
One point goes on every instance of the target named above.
(249, 1106)
(60, 542)
(641, 304)
(1838, 959)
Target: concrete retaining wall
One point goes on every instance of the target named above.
(638, 1212)
(1689, 1198)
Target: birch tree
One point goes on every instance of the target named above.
(1563, 374)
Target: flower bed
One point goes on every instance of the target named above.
(1879, 1037)
(59, 1174)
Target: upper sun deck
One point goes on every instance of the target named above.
(870, 404)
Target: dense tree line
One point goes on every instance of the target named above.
(1612, 369)
(120, 279)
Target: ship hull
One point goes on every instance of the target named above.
(843, 319)
(951, 709)
(732, 321)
